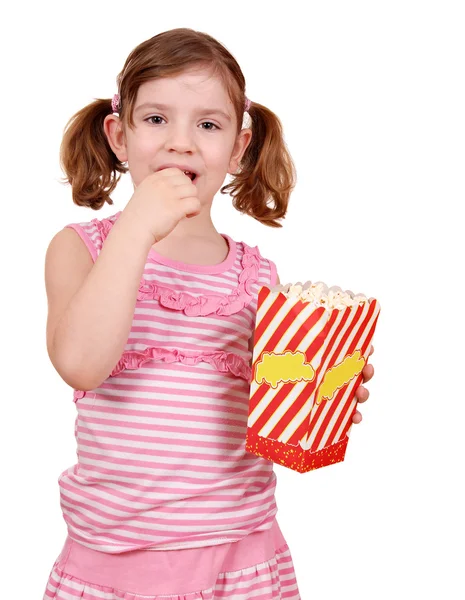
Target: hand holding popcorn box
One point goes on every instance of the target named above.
(310, 346)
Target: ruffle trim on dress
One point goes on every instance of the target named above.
(104, 225)
(207, 304)
(204, 304)
(222, 361)
(273, 578)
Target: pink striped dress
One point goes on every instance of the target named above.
(161, 460)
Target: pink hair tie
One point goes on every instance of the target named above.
(116, 105)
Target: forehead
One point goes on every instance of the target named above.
(193, 86)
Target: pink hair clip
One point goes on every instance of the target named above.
(115, 103)
(247, 104)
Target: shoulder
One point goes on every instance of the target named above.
(93, 232)
(65, 246)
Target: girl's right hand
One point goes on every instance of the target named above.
(162, 199)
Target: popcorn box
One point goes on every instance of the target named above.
(310, 346)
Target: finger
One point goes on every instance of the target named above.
(191, 206)
(372, 349)
(357, 417)
(176, 175)
(186, 189)
(368, 371)
(362, 394)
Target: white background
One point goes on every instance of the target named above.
(371, 96)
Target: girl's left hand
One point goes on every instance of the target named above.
(362, 393)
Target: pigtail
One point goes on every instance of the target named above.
(267, 173)
(87, 158)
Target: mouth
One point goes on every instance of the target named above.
(193, 176)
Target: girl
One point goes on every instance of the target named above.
(151, 314)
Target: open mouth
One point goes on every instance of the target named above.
(192, 176)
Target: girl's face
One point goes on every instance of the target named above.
(187, 120)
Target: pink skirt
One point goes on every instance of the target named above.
(259, 566)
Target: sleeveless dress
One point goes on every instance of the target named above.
(164, 501)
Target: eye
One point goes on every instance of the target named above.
(154, 117)
(212, 128)
(210, 123)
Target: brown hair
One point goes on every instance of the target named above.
(266, 171)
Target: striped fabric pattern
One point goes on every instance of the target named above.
(272, 580)
(161, 459)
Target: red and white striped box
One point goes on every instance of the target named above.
(306, 366)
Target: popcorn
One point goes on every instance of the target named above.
(294, 290)
(311, 344)
(320, 295)
(360, 299)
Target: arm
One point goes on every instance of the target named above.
(91, 305)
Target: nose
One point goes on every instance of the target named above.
(180, 138)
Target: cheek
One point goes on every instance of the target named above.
(143, 148)
(219, 160)
(141, 143)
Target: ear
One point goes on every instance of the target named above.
(242, 141)
(113, 128)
